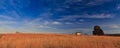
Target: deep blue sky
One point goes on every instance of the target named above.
(59, 16)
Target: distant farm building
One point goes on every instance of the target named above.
(78, 33)
(17, 32)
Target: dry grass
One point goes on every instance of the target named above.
(57, 41)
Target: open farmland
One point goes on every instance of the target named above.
(57, 41)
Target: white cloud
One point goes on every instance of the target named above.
(100, 16)
(96, 16)
(46, 23)
(37, 23)
(81, 20)
(13, 14)
(46, 14)
(118, 7)
(35, 20)
(68, 23)
(115, 31)
(7, 22)
(37, 26)
(5, 6)
(97, 2)
(56, 23)
(113, 26)
(40, 25)
(5, 17)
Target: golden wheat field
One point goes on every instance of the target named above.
(57, 41)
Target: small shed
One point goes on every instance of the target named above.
(17, 32)
(78, 33)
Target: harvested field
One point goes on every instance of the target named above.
(57, 41)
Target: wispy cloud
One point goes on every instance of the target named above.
(99, 16)
(42, 24)
(6, 26)
(15, 14)
(5, 17)
(68, 23)
(72, 1)
(113, 26)
(2, 5)
(10, 15)
(7, 22)
(56, 23)
(97, 2)
(37, 26)
(94, 16)
(45, 14)
(9, 9)
(17, 4)
(118, 7)
(37, 23)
